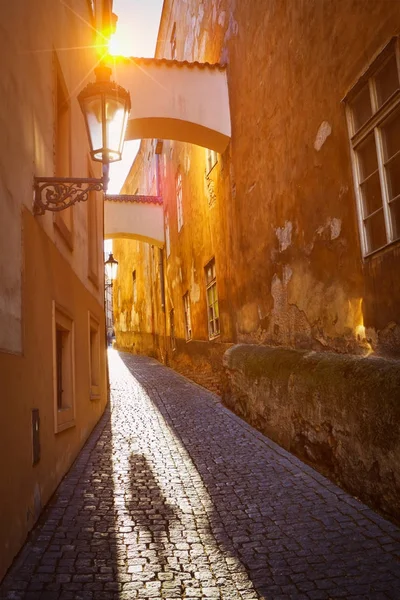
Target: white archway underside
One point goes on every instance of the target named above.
(187, 102)
(134, 220)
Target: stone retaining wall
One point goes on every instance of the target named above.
(340, 413)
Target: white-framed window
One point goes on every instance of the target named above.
(134, 287)
(178, 191)
(373, 115)
(211, 159)
(212, 299)
(188, 320)
(63, 369)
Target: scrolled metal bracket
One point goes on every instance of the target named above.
(58, 193)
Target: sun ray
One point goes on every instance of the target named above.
(133, 59)
(91, 47)
(79, 85)
(99, 33)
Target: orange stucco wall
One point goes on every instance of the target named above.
(27, 383)
(47, 56)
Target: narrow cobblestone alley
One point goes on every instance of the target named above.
(175, 497)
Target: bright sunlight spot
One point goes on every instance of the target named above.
(120, 45)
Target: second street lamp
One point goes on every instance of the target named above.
(105, 106)
(111, 267)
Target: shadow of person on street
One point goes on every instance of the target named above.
(295, 532)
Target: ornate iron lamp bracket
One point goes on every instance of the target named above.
(58, 193)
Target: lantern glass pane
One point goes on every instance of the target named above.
(111, 270)
(114, 269)
(115, 131)
(92, 111)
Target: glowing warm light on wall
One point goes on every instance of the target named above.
(359, 328)
(120, 45)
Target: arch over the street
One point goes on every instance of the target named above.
(134, 217)
(187, 102)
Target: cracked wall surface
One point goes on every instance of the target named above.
(278, 211)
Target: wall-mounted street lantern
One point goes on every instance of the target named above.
(111, 267)
(105, 107)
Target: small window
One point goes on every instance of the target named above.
(179, 199)
(212, 300)
(63, 366)
(188, 321)
(94, 358)
(134, 287)
(211, 160)
(172, 329)
(373, 110)
(173, 42)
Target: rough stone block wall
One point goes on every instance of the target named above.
(339, 413)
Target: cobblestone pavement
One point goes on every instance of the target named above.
(175, 497)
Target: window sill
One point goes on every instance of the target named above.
(382, 250)
(63, 426)
(95, 392)
(214, 337)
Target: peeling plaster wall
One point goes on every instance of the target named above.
(339, 413)
(278, 210)
(286, 185)
(292, 197)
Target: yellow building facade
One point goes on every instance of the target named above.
(52, 331)
(290, 238)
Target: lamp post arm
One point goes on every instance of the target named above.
(58, 193)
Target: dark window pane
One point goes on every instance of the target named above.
(371, 194)
(391, 136)
(395, 214)
(375, 230)
(387, 81)
(393, 177)
(361, 108)
(216, 325)
(367, 159)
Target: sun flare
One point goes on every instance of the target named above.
(120, 45)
